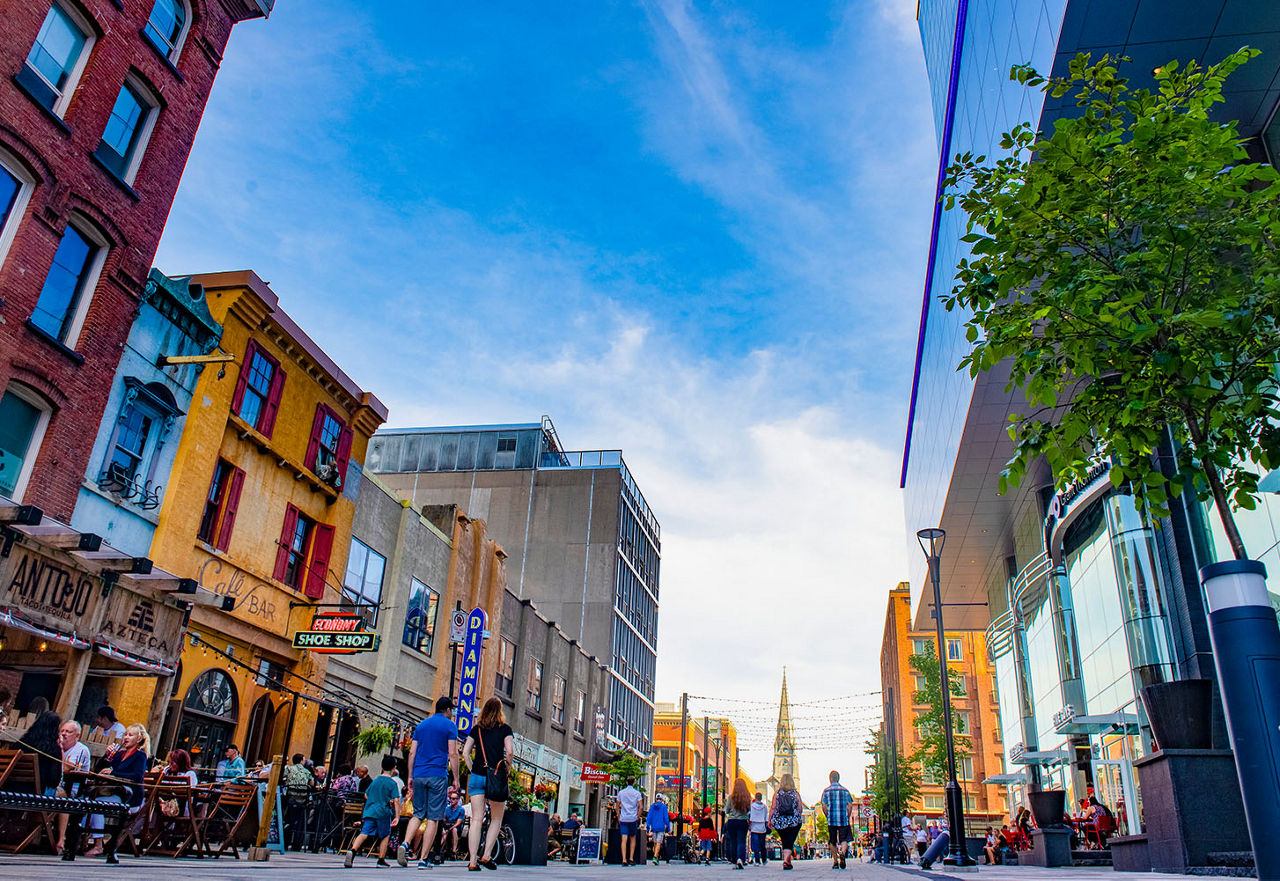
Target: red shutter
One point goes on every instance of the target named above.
(344, 453)
(321, 546)
(286, 537)
(238, 396)
(229, 512)
(313, 445)
(267, 423)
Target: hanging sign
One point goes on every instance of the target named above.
(472, 648)
(595, 773)
(336, 634)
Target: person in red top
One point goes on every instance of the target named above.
(706, 834)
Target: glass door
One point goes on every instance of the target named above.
(1113, 785)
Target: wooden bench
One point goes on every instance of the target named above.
(112, 813)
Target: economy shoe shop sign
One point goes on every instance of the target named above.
(336, 633)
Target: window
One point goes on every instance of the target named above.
(506, 667)
(964, 768)
(23, 418)
(668, 756)
(961, 718)
(124, 139)
(257, 396)
(920, 682)
(962, 686)
(329, 447)
(302, 559)
(420, 620)
(220, 505)
(60, 309)
(506, 444)
(362, 586)
(208, 718)
(166, 27)
(580, 715)
(145, 419)
(130, 441)
(557, 700)
(533, 686)
(955, 650)
(920, 646)
(933, 803)
(15, 188)
(56, 59)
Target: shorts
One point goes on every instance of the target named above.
(475, 784)
(629, 827)
(376, 827)
(706, 844)
(838, 834)
(429, 797)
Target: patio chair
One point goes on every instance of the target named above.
(226, 816)
(169, 826)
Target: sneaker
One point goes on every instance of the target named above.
(382, 863)
(842, 861)
(424, 864)
(349, 860)
(402, 856)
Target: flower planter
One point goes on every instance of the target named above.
(1047, 807)
(1180, 713)
(530, 831)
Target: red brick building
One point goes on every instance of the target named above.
(99, 104)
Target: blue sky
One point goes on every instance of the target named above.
(694, 231)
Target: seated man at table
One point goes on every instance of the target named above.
(233, 768)
(382, 803)
(451, 828)
(75, 757)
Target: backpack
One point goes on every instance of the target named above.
(787, 813)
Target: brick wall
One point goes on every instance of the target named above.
(55, 153)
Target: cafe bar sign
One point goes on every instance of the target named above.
(336, 633)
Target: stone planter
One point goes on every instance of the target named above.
(1047, 807)
(530, 831)
(1180, 713)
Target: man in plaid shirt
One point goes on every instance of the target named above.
(836, 804)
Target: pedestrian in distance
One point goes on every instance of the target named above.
(759, 827)
(786, 814)
(922, 841)
(658, 819)
(382, 803)
(706, 836)
(489, 750)
(837, 804)
(737, 819)
(433, 759)
(629, 801)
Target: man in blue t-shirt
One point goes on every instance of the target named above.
(433, 760)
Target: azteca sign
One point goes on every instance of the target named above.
(336, 633)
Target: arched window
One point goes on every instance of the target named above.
(167, 27)
(209, 716)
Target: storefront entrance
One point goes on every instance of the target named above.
(208, 718)
(1113, 786)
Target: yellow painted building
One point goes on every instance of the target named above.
(259, 509)
(978, 712)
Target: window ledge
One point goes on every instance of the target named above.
(557, 727)
(168, 62)
(579, 738)
(533, 715)
(55, 118)
(115, 178)
(54, 341)
(149, 516)
(508, 702)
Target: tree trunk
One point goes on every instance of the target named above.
(1220, 501)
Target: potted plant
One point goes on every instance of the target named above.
(374, 741)
(528, 826)
(546, 793)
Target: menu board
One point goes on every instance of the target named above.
(589, 845)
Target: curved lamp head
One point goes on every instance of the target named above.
(931, 541)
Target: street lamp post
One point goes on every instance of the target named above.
(931, 541)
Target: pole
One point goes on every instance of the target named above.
(706, 761)
(684, 739)
(885, 834)
(958, 851)
(1246, 650)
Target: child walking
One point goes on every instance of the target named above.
(381, 804)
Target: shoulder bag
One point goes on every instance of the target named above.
(496, 785)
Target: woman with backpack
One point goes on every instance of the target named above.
(787, 815)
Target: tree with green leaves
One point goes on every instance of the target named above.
(931, 754)
(1125, 267)
(881, 787)
(626, 764)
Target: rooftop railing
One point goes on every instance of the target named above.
(605, 459)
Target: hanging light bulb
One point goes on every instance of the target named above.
(43, 645)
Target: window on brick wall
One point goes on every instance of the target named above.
(220, 505)
(533, 686)
(128, 128)
(16, 185)
(64, 297)
(257, 395)
(166, 27)
(24, 415)
(57, 58)
(955, 650)
(302, 559)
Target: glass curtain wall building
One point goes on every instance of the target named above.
(582, 542)
(1083, 601)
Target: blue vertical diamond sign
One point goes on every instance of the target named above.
(472, 648)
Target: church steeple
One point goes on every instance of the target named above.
(784, 744)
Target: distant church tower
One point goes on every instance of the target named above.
(784, 744)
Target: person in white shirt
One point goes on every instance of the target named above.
(922, 841)
(629, 801)
(75, 757)
(759, 830)
(106, 723)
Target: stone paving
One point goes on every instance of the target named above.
(306, 867)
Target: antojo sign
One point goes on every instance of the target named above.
(595, 773)
(336, 633)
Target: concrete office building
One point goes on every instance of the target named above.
(581, 540)
(1088, 600)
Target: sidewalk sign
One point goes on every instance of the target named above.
(589, 845)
